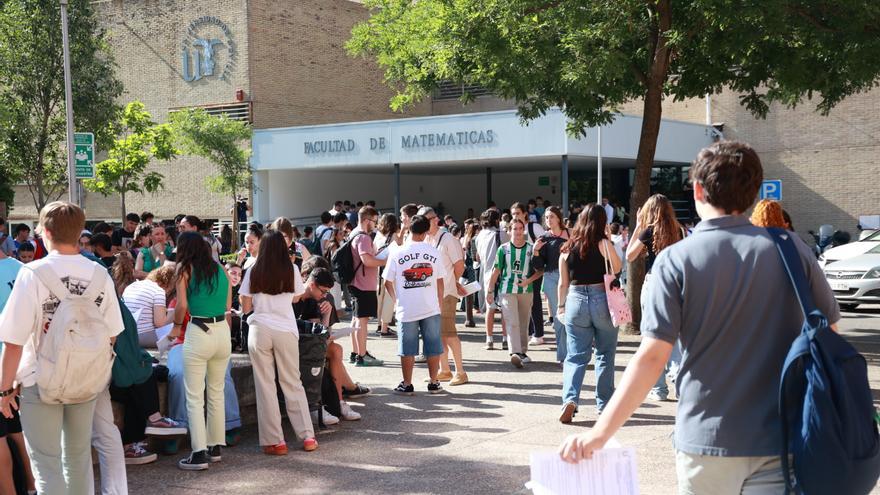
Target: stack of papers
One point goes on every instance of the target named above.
(609, 472)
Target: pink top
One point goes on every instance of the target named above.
(365, 277)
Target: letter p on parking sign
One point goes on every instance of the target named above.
(771, 189)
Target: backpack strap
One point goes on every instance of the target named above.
(531, 227)
(440, 239)
(50, 279)
(96, 285)
(791, 260)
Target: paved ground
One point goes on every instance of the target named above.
(475, 439)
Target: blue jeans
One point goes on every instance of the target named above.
(177, 392)
(587, 321)
(551, 289)
(408, 337)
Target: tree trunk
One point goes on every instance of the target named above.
(122, 204)
(652, 113)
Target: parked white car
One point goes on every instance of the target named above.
(856, 280)
(850, 250)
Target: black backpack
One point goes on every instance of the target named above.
(343, 261)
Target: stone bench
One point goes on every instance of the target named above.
(242, 376)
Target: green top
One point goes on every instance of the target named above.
(151, 263)
(205, 302)
(515, 264)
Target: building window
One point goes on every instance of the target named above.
(449, 90)
(235, 111)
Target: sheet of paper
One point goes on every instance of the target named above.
(471, 288)
(610, 472)
(339, 332)
(163, 332)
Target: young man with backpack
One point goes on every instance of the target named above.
(356, 264)
(65, 306)
(323, 234)
(725, 294)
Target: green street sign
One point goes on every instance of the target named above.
(84, 155)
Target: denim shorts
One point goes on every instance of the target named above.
(408, 337)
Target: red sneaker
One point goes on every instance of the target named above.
(280, 449)
(310, 444)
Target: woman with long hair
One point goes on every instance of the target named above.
(515, 266)
(204, 292)
(122, 271)
(656, 229)
(549, 248)
(385, 242)
(268, 289)
(468, 244)
(585, 259)
(297, 252)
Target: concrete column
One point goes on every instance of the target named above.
(564, 185)
(260, 197)
(397, 189)
(488, 185)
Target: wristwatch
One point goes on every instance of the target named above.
(7, 392)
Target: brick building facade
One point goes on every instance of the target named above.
(287, 63)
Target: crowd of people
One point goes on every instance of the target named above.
(175, 290)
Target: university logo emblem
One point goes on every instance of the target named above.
(207, 41)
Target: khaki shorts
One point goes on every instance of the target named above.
(386, 305)
(447, 317)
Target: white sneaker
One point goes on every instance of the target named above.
(656, 396)
(348, 413)
(536, 341)
(490, 345)
(329, 419)
(525, 358)
(421, 358)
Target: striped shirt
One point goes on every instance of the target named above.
(516, 264)
(141, 298)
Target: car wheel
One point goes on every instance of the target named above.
(424, 276)
(848, 306)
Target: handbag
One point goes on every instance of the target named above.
(618, 307)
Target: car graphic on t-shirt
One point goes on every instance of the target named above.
(418, 272)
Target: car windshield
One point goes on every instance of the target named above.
(873, 237)
(875, 249)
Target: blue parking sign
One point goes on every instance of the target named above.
(771, 189)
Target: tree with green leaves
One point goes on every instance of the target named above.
(139, 141)
(589, 57)
(225, 143)
(32, 126)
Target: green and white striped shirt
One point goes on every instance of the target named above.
(516, 265)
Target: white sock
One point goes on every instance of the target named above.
(489, 339)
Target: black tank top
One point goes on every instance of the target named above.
(586, 271)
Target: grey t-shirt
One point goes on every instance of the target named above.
(724, 292)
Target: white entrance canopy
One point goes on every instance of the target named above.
(463, 143)
(467, 139)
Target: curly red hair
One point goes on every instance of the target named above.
(768, 213)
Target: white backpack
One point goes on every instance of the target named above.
(74, 357)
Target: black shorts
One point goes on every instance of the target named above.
(365, 302)
(8, 426)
